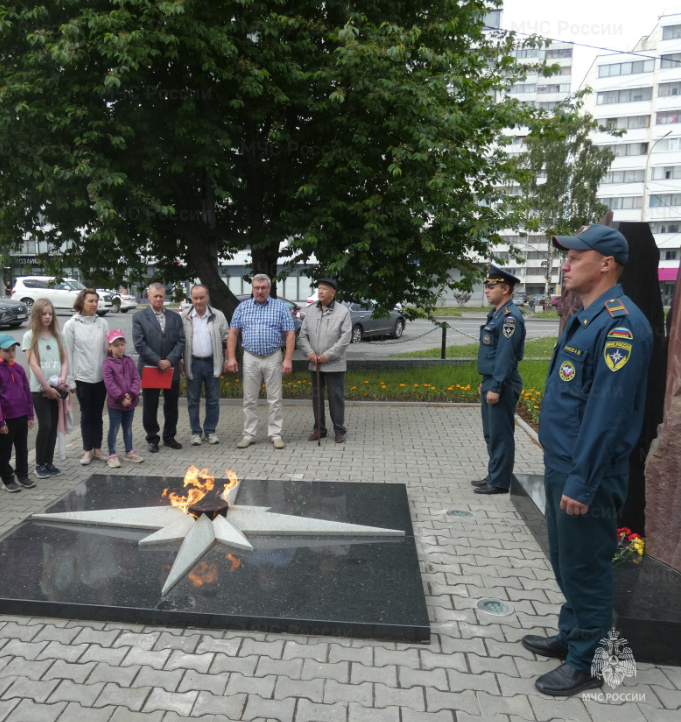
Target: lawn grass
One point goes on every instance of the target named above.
(441, 384)
(534, 348)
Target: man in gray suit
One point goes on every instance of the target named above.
(159, 340)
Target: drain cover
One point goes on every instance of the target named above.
(497, 607)
(458, 512)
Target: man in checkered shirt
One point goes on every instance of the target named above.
(262, 320)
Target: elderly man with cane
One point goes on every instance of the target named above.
(324, 337)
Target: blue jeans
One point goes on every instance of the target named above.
(116, 420)
(202, 371)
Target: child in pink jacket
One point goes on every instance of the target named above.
(123, 387)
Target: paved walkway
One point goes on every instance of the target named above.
(473, 669)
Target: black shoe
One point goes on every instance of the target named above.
(487, 489)
(172, 444)
(153, 447)
(25, 482)
(480, 482)
(564, 681)
(53, 470)
(545, 646)
(42, 472)
(11, 486)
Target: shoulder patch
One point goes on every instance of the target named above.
(508, 329)
(616, 308)
(507, 310)
(509, 319)
(621, 332)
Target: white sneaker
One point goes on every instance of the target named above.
(133, 457)
(212, 439)
(245, 443)
(113, 462)
(278, 442)
(196, 440)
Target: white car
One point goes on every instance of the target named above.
(62, 295)
(122, 302)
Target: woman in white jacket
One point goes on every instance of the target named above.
(85, 340)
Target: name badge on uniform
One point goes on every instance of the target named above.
(508, 328)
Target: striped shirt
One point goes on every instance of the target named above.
(262, 325)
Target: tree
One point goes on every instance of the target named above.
(179, 132)
(564, 169)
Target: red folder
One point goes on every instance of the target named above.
(153, 378)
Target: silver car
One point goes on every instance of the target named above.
(364, 324)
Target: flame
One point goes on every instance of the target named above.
(201, 482)
(203, 573)
(236, 562)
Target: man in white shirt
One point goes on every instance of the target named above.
(205, 331)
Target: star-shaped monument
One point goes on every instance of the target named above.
(198, 522)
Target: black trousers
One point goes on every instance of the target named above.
(335, 388)
(91, 398)
(150, 411)
(17, 437)
(47, 415)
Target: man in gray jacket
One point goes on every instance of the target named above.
(324, 337)
(205, 333)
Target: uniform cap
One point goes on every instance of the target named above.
(496, 275)
(596, 237)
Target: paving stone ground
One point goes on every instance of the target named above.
(473, 669)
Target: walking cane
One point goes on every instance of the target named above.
(319, 407)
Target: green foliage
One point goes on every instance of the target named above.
(180, 132)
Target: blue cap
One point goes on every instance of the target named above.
(6, 341)
(602, 239)
(497, 275)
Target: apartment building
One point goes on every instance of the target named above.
(640, 93)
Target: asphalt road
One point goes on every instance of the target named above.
(417, 335)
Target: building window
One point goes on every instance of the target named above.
(637, 66)
(549, 105)
(564, 88)
(623, 202)
(673, 60)
(630, 95)
(624, 149)
(556, 53)
(630, 122)
(662, 200)
(665, 227)
(523, 88)
(669, 255)
(671, 32)
(666, 145)
(667, 117)
(666, 172)
(666, 89)
(624, 176)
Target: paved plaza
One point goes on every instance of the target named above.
(473, 669)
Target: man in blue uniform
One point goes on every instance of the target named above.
(502, 341)
(590, 421)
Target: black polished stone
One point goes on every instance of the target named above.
(344, 587)
(647, 606)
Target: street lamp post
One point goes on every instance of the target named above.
(645, 176)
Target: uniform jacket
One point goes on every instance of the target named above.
(85, 341)
(15, 395)
(218, 328)
(502, 344)
(121, 378)
(594, 400)
(326, 332)
(152, 345)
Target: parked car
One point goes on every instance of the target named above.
(365, 325)
(120, 301)
(520, 298)
(62, 295)
(12, 313)
(555, 300)
(537, 300)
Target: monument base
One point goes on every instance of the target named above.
(335, 586)
(647, 610)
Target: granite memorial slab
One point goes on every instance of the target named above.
(317, 576)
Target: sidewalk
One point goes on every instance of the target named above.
(473, 669)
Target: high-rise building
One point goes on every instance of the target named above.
(640, 93)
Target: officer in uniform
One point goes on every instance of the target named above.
(502, 341)
(591, 419)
